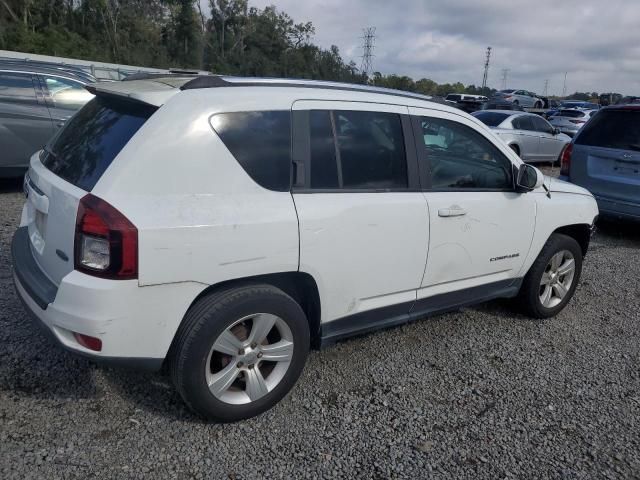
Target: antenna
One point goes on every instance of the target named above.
(505, 74)
(369, 37)
(486, 69)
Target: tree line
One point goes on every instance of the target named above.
(229, 38)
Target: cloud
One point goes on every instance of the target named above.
(596, 42)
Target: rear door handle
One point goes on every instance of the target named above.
(452, 211)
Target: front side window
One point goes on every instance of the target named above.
(523, 123)
(461, 158)
(260, 142)
(357, 150)
(66, 93)
(541, 125)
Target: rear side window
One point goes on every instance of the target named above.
(16, 86)
(83, 150)
(492, 119)
(612, 129)
(261, 143)
(66, 93)
(360, 150)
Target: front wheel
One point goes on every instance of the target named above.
(239, 352)
(553, 277)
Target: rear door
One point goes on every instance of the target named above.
(550, 145)
(527, 137)
(364, 223)
(25, 125)
(606, 155)
(72, 163)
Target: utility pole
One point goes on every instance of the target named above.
(486, 69)
(564, 86)
(369, 37)
(546, 87)
(505, 74)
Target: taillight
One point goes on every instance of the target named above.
(106, 243)
(578, 122)
(565, 159)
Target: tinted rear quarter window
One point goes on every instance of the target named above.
(571, 113)
(83, 150)
(260, 142)
(612, 129)
(492, 119)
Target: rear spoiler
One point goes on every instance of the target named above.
(151, 93)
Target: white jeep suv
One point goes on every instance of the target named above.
(223, 226)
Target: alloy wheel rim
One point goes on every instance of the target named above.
(249, 358)
(557, 279)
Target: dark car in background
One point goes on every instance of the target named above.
(605, 159)
(35, 100)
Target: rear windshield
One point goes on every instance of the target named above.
(570, 113)
(83, 150)
(492, 119)
(454, 98)
(612, 129)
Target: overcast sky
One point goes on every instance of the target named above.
(596, 41)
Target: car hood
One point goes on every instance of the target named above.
(560, 186)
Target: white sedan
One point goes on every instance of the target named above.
(529, 135)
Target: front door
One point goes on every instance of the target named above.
(481, 229)
(364, 223)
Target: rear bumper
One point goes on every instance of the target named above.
(610, 207)
(135, 324)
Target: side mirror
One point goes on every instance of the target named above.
(556, 131)
(529, 178)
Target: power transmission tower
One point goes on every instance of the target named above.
(564, 86)
(505, 74)
(546, 87)
(486, 69)
(369, 37)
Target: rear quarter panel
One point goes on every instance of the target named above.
(200, 217)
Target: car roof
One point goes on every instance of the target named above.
(27, 67)
(158, 88)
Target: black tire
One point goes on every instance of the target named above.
(516, 103)
(515, 148)
(203, 324)
(537, 105)
(529, 296)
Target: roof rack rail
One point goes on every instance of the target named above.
(217, 81)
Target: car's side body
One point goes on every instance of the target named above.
(530, 135)
(34, 103)
(523, 98)
(370, 257)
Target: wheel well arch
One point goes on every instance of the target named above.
(298, 285)
(515, 147)
(580, 232)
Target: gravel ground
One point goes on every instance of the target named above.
(480, 393)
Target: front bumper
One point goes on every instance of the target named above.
(136, 324)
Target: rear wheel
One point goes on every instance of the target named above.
(239, 352)
(537, 105)
(516, 102)
(553, 277)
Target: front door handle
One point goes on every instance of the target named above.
(452, 211)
